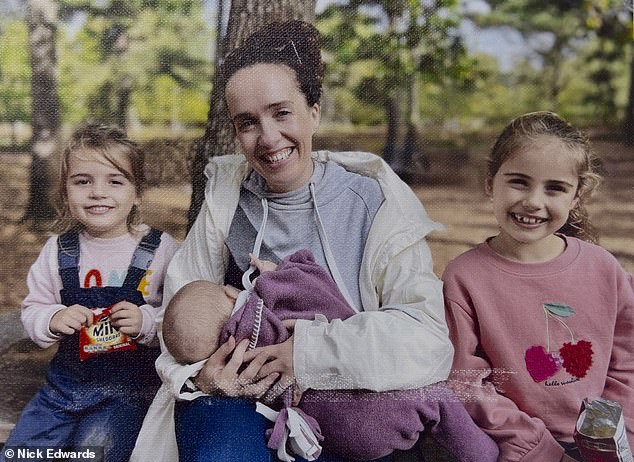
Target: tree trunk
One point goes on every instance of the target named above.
(41, 18)
(245, 17)
(628, 126)
(412, 159)
(393, 102)
(392, 111)
(123, 101)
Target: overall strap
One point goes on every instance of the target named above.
(142, 258)
(68, 259)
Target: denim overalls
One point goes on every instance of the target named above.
(100, 401)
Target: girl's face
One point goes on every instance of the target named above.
(274, 124)
(99, 195)
(533, 193)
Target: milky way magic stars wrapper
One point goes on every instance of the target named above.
(600, 432)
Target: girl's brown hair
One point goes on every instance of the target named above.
(522, 132)
(107, 145)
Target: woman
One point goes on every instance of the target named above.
(350, 210)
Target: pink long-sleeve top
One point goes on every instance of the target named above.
(102, 262)
(533, 340)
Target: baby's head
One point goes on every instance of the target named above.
(194, 319)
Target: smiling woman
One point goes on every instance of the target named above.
(274, 124)
(361, 223)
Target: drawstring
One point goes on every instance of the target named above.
(246, 277)
(330, 259)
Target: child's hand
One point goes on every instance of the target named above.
(127, 317)
(231, 292)
(70, 320)
(262, 265)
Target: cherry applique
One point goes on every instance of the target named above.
(574, 357)
(541, 365)
(577, 357)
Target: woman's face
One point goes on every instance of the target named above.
(274, 124)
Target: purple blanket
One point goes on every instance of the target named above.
(358, 424)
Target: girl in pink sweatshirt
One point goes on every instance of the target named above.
(95, 291)
(540, 316)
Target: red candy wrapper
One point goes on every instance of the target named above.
(600, 432)
(102, 337)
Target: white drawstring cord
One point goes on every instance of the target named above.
(330, 259)
(246, 277)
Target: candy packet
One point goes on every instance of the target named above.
(102, 336)
(600, 432)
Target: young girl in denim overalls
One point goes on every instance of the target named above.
(104, 258)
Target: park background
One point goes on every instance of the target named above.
(427, 84)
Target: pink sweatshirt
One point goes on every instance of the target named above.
(533, 340)
(103, 262)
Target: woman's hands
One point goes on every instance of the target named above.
(69, 320)
(277, 359)
(221, 373)
(224, 372)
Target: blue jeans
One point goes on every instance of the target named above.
(213, 429)
(66, 413)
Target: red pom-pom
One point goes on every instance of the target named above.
(577, 357)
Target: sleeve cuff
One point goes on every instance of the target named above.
(148, 328)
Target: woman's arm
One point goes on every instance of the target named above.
(192, 261)
(402, 344)
(201, 257)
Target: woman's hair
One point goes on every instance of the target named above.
(108, 145)
(523, 131)
(295, 44)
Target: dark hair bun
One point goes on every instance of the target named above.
(294, 43)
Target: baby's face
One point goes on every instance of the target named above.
(194, 320)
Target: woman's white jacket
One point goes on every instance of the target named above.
(400, 339)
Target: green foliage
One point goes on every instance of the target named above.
(15, 73)
(153, 57)
(377, 53)
(148, 58)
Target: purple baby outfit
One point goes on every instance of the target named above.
(358, 424)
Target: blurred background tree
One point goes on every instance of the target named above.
(381, 51)
(412, 74)
(45, 108)
(136, 61)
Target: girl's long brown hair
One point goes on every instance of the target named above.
(520, 133)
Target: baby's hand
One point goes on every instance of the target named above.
(262, 265)
(69, 320)
(231, 292)
(297, 395)
(127, 317)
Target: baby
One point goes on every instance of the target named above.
(211, 306)
(358, 424)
